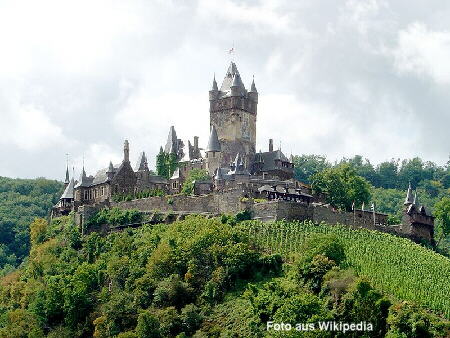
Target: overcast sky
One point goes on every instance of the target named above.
(337, 78)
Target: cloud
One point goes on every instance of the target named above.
(335, 78)
(424, 52)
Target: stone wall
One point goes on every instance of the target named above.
(227, 202)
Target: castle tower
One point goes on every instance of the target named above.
(233, 112)
(213, 152)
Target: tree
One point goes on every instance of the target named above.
(442, 213)
(342, 186)
(387, 174)
(363, 168)
(161, 167)
(193, 175)
(306, 166)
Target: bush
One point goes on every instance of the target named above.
(147, 326)
(318, 255)
(409, 320)
(172, 292)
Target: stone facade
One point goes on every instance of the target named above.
(238, 175)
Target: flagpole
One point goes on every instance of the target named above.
(373, 209)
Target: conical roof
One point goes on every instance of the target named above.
(68, 192)
(409, 197)
(253, 87)
(110, 168)
(142, 162)
(416, 199)
(232, 79)
(171, 145)
(83, 182)
(66, 181)
(213, 143)
(214, 85)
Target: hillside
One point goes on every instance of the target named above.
(21, 200)
(213, 277)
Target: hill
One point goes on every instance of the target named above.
(21, 200)
(212, 277)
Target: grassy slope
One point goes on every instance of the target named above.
(395, 265)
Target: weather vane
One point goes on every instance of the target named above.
(231, 52)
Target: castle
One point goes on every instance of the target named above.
(238, 175)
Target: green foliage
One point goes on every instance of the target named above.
(166, 164)
(306, 166)
(342, 186)
(140, 194)
(147, 326)
(318, 254)
(21, 201)
(115, 216)
(409, 320)
(442, 214)
(188, 279)
(392, 264)
(193, 175)
(364, 303)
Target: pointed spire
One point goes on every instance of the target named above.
(68, 191)
(110, 172)
(235, 82)
(213, 143)
(214, 85)
(142, 162)
(416, 199)
(67, 175)
(172, 140)
(409, 197)
(253, 87)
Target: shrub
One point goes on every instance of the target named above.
(172, 292)
(147, 326)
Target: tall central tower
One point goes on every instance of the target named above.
(233, 112)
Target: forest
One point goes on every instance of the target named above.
(226, 276)
(217, 278)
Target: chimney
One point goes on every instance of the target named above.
(195, 143)
(126, 151)
(270, 144)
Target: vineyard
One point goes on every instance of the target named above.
(395, 265)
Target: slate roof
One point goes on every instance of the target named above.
(172, 142)
(213, 143)
(268, 159)
(157, 179)
(232, 77)
(409, 197)
(68, 192)
(141, 163)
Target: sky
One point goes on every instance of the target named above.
(336, 78)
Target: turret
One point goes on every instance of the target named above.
(67, 180)
(214, 90)
(235, 86)
(126, 151)
(110, 172)
(409, 197)
(213, 152)
(253, 93)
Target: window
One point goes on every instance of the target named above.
(174, 185)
